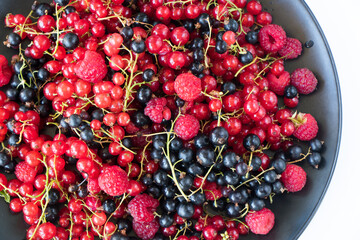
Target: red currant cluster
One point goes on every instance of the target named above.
(156, 118)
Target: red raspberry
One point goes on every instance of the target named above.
(25, 172)
(147, 230)
(156, 110)
(113, 181)
(306, 127)
(272, 38)
(304, 80)
(212, 191)
(142, 208)
(292, 48)
(293, 178)
(187, 86)
(5, 71)
(92, 68)
(260, 222)
(187, 127)
(278, 84)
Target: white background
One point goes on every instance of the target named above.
(338, 216)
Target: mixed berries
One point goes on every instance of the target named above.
(154, 119)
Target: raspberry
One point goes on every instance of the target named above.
(212, 191)
(25, 172)
(113, 181)
(142, 208)
(272, 38)
(293, 178)
(92, 68)
(292, 48)
(147, 230)
(187, 127)
(187, 86)
(304, 80)
(156, 110)
(306, 127)
(5, 71)
(260, 222)
(278, 84)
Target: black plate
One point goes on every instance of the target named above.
(293, 212)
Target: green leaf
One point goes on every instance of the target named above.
(5, 195)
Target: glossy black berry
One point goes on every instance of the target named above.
(242, 168)
(97, 114)
(70, 9)
(251, 142)
(14, 39)
(196, 68)
(195, 169)
(62, 2)
(124, 224)
(219, 136)
(278, 187)
(87, 134)
(161, 178)
(169, 205)
(231, 25)
(43, 74)
(294, 152)
(138, 46)
(316, 145)
(26, 95)
(53, 196)
(220, 46)
(185, 210)
(204, 21)
(205, 156)
(82, 191)
(127, 33)
(252, 37)
(314, 159)
(75, 120)
(109, 206)
(239, 196)
(232, 210)
(166, 220)
(142, 18)
(230, 159)
(4, 159)
(51, 213)
(228, 88)
(42, 9)
(10, 167)
(231, 178)
(119, 236)
(255, 163)
(154, 191)
(196, 44)
(201, 141)
(270, 176)
(143, 95)
(256, 204)
(246, 58)
(290, 91)
(14, 140)
(140, 119)
(176, 144)
(70, 41)
(263, 190)
(169, 191)
(189, 25)
(148, 74)
(220, 35)
(198, 198)
(198, 55)
(12, 94)
(185, 183)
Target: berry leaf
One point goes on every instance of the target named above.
(5, 195)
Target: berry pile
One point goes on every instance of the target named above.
(164, 119)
